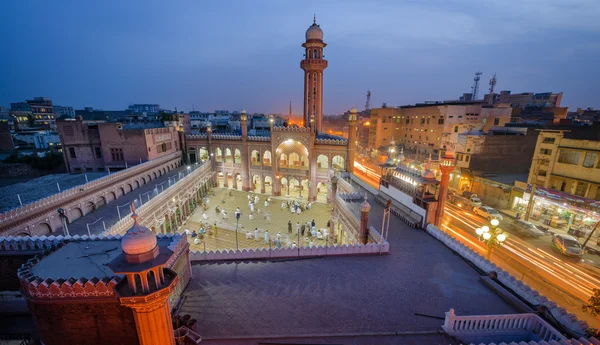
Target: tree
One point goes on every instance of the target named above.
(593, 305)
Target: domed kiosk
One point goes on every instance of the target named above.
(314, 31)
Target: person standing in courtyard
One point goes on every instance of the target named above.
(266, 236)
(289, 226)
(302, 229)
(215, 230)
(297, 228)
(312, 223)
(256, 234)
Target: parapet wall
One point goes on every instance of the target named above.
(533, 297)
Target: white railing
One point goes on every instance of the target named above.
(485, 326)
(226, 137)
(197, 136)
(332, 141)
(266, 253)
(143, 211)
(291, 129)
(258, 138)
(347, 216)
(344, 186)
(101, 182)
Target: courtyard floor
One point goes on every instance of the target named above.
(226, 236)
(406, 291)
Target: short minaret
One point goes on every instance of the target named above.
(313, 65)
(147, 284)
(245, 158)
(352, 138)
(447, 164)
(365, 207)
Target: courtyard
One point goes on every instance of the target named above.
(272, 219)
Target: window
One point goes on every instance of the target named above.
(496, 121)
(455, 129)
(98, 152)
(117, 154)
(72, 152)
(422, 121)
(545, 151)
(467, 158)
(590, 159)
(569, 156)
(581, 188)
(89, 169)
(548, 140)
(542, 173)
(440, 121)
(68, 131)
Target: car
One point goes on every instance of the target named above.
(526, 228)
(567, 245)
(457, 200)
(487, 213)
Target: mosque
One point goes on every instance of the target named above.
(294, 160)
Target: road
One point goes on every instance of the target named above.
(567, 281)
(109, 214)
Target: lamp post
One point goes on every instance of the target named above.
(237, 221)
(491, 236)
(63, 220)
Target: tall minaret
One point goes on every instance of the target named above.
(290, 114)
(313, 66)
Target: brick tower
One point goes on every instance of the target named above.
(352, 133)
(147, 284)
(313, 66)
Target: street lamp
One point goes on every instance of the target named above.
(63, 219)
(237, 221)
(491, 236)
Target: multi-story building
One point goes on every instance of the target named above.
(62, 111)
(540, 115)
(91, 114)
(566, 164)
(431, 127)
(144, 108)
(526, 99)
(34, 113)
(98, 146)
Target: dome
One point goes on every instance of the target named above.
(429, 175)
(138, 239)
(353, 110)
(314, 32)
(243, 111)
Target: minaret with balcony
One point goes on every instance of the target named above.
(446, 166)
(245, 157)
(352, 137)
(313, 65)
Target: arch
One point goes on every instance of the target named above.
(120, 192)
(168, 168)
(192, 155)
(315, 54)
(75, 213)
(323, 162)
(164, 170)
(203, 154)
(128, 188)
(267, 158)
(228, 157)
(149, 178)
(220, 179)
(294, 187)
(151, 278)
(218, 155)
(254, 157)
(110, 196)
(322, 191)
(101, 201)
(136, 184)
(229, 180)
(89, 207)
(159, 172)
(144, 180)
(296, 153)
(23, 234)
(283, 160)
(238, 181)
(154, 174)
(237, 156)
(284, 186)
(268, 185)
(43, 229)
(256, 183)
(338, 162)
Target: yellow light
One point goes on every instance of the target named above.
(495, 222)
(367, 123)
(487, 236)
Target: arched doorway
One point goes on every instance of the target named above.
(322, 163)
(192, 155)
(267, 158)
(292, 155)
(229, 180)
(255, 158)
(228, 156)
(220, 179)
(203, 154)
(338, 163)
(268, 185)
(43, 229)
(295, 188)
(238, 181)
(284, 186)
(218, 155)
(110, 196)
(237, 157)
(75, 213)
(101, 202)
(89, 207)
(256, 183)
(322, 191)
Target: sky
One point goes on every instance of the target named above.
(234, 54)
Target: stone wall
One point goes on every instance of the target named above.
(103, 321)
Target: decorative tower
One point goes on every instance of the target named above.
(447, 164)
(147, 284)
(313, 66)
(245, 158)
(365, 207)
(352, 133)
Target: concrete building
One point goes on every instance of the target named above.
(91, 114)
(6, 141)
(97, 146)
(566, 165)
(34, 113)
(62, 111)
(526, 99)
(428, 128)
(539, 115)
(41, 140)
(144, 108)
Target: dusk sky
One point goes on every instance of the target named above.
(233, 54)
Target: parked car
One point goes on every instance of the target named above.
(567, 245)
(526, 228)
(487, 213)
(458, 201)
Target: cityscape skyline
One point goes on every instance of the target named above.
(247, 63)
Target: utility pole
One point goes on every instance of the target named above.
(590, 236)
(530, 204)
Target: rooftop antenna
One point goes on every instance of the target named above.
(492, 85)
(475, 87)
(368, 104)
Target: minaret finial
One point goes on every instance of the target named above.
(315, 19)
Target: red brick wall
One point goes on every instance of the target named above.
(90, 322)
